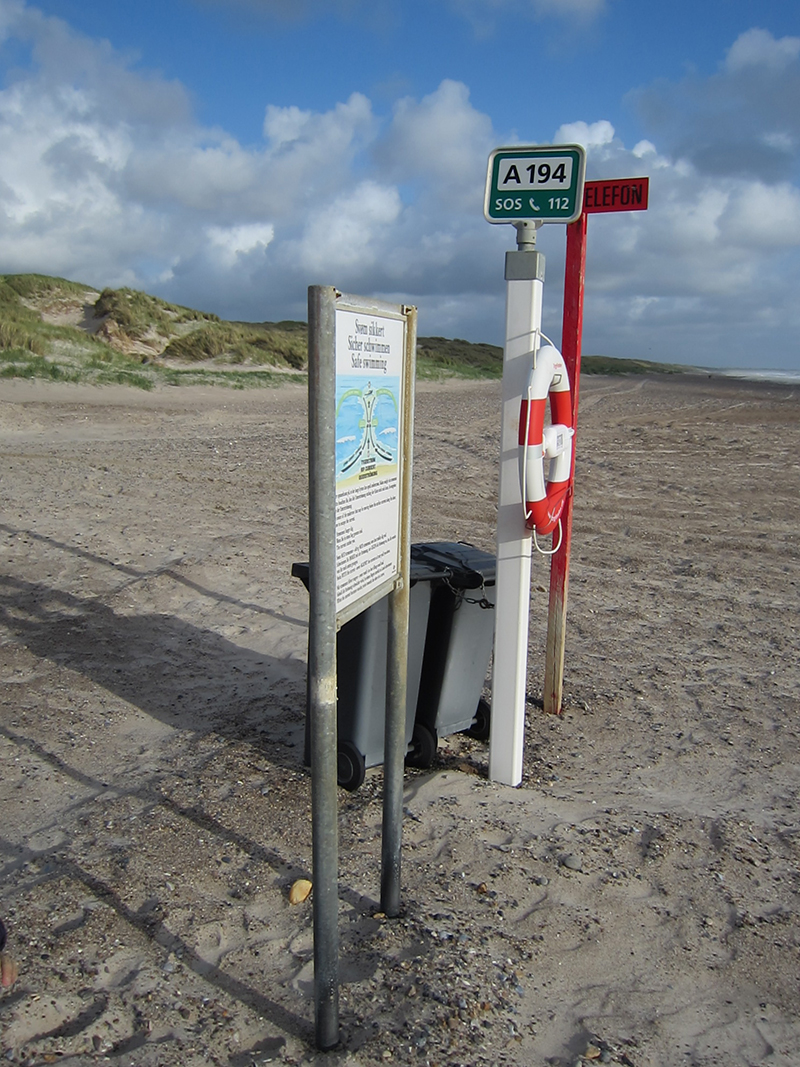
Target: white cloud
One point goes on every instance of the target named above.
(106, 177)
(758, 48)
(590, 135)
(289, 128)
(284, 125)
(350, 233)
(644, 148)
(311, 154)
(235, 241)
(193, 173)
(10, 11)
(441, 137)
(765, 216)
(744, 120)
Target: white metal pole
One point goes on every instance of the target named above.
(524, 274)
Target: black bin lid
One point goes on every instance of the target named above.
(467, 567)
(422, 570)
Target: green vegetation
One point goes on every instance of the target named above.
(279, 344)
(439, 358)
(60, 330)
(41, 286)
(111, 370)
(19, 325)
(23, 300)
(609, 365)
(138, 315)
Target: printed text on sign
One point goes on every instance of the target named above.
(548, 173)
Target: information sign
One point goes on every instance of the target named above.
(616, 194)
(361, 361)
(541, 183)
(370, 351)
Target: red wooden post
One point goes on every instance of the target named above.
(559, 563)
(615, 194)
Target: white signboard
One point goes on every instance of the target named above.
(370, 349)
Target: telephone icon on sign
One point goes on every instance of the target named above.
(533, 205)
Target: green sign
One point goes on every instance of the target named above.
(543, 183)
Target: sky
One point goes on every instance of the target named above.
(227, 154)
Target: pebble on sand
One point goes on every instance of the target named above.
(300, 891)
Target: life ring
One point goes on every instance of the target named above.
(544, 498)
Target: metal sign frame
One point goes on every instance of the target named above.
(327, 308)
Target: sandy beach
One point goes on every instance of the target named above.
(634, 902)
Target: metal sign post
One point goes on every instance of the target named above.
(525, 186)
(360, 380)
(397, 653)
(322, 664)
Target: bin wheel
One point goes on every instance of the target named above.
(422, 750)
(481, 727)
(351, 766)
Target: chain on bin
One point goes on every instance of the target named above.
(460, 594)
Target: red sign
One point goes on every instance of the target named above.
(616, 194)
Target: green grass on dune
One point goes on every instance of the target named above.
(438, 357)
(32, 286)
(280, 344)
(138, 314)
(162, 336)
(98, 367)
(610, 365)
(22, 326)
(145, 341)
(22, 363)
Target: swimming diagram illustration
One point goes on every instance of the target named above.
(366, 430)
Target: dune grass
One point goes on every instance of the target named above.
(438, 357)
(97, 367)
(611, 365)
(131, 338)
(143, 340)
(137, 314)
(22, 326)
(281, 344)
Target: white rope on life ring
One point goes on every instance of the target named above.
(544, 498)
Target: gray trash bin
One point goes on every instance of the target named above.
(458, 646)
(361, 675)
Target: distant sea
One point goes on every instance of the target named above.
(786, 377)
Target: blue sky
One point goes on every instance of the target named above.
(226, 154)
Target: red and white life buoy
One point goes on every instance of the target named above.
(544, 498)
